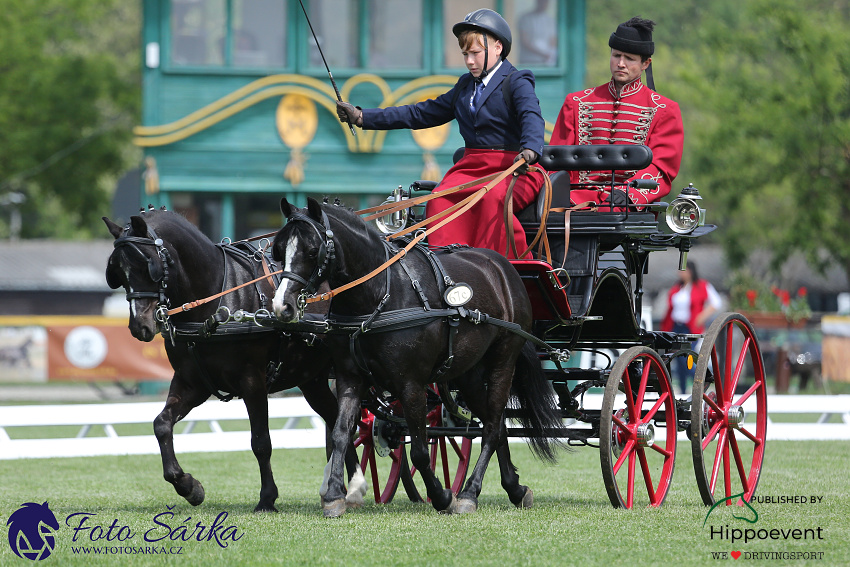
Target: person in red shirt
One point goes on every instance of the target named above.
(624, 111)
(691, 303)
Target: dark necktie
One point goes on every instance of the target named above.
(476, 96)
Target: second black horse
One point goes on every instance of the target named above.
(430, 342)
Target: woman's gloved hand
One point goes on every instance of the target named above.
(349, 113)
(530, 157)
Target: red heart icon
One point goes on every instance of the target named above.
(736, 554)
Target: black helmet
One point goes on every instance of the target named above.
(488, 21)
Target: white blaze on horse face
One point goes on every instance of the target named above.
(280, 293)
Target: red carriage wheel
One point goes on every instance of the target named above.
(728, 413)
(637, 431)
(381, 472)
(450, 457)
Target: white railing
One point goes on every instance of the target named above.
(295, 410)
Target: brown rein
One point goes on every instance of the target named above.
(446, 215)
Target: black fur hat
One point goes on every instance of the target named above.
(634, 36)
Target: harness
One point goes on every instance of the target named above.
(211, 329)
(325, 260)
(355, 326)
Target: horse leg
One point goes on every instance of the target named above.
(498, 389)
(521, 496)
(414, 400)
(181, 399)
(348, 403)
(318, 394)
(256, 402)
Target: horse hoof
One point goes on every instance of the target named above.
(451, 508)
(466, 506)
(265, 508)
(354, 500)
(333, 509)
(197, 495)
(527, 500)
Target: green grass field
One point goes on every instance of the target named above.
(572, 522)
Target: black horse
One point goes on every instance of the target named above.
(162, 260)
(326, 242)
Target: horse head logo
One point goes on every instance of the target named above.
(31, 529)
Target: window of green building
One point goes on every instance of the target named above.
(378, 34)
(197, 29)
(258, 32)
(228, 33)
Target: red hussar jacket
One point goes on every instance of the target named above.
(638, 116)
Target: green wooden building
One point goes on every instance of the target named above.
(238, 109)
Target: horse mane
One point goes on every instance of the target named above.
(350, 218)
(159, 218)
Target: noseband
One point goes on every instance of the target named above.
(325, 260)
(158, 273)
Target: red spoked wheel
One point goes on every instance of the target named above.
(728, 413)
(450, 458)
(637, 430)
(381, 472)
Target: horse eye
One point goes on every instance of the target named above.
(313, 254)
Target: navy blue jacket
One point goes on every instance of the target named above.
(493, 126)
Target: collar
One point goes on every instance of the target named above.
(491, 72)
(629, 89)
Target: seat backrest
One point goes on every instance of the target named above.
(609, 157)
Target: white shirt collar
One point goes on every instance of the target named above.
(492, 72)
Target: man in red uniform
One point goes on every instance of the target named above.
(625, 111)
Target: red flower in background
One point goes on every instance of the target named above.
(784, 296)
(751, 297)
(802, 292)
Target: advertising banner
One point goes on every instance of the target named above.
(36, 349)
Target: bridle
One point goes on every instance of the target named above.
(158, 272)
(325, 259)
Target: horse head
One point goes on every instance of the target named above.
(140, 265)
(306, 247)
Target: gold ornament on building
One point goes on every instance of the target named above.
(151, 176)
(297, 120)
(431, 140)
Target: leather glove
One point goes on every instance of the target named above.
(349, 113)
(530, 157)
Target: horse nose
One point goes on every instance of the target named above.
(285, 312)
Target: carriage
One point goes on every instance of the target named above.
(584, 304)
(588, 300)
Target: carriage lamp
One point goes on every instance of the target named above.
(684, 214)
(393, 222)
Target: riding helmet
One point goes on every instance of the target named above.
(488, 21)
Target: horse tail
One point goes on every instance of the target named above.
(536, 406)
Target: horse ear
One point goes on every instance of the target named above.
(314, 208)
(140, 227)
(114, 229)
(286, 208)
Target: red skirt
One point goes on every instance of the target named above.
(483, 225)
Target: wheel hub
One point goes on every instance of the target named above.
(735, 416)
(645, 434)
